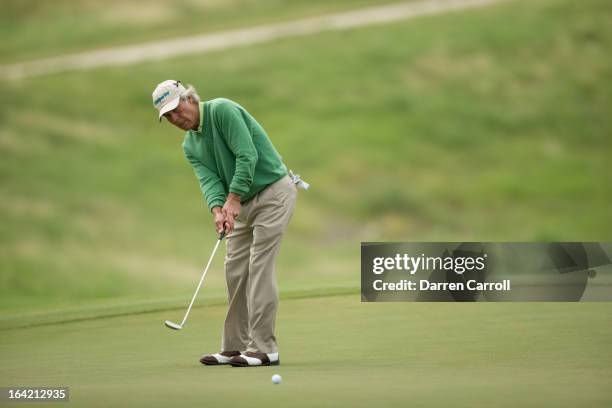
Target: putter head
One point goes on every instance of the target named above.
(172, 326)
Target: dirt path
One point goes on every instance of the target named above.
(201, 44)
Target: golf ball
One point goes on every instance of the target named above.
(276, 379)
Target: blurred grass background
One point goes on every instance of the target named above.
(489, 124)
(39, 28)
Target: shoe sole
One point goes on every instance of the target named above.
(245, 364)
(212, 363)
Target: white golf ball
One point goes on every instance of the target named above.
(276, 379)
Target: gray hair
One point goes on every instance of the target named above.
(190, 92)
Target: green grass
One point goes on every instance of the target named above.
(92, 309)
(453, 127)
(426, 355)
(39, 28)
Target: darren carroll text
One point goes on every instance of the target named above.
(424, 284)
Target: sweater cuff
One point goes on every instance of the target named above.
(215, 203)
(238, 191)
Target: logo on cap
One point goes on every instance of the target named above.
(162, 97)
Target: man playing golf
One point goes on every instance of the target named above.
(251, 196)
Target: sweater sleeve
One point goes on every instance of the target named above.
(210, 183)
(239, 140)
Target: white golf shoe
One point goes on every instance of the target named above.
(253, 359)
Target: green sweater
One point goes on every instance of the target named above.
(231, 153)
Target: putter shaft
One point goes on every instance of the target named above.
(221, 236)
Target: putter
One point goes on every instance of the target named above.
(175, 326)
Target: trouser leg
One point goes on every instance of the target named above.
(272, 213)
(238, 249)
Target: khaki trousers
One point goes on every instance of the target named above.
(251, 251)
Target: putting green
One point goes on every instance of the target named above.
(335, 351)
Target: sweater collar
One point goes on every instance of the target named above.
(201, 117)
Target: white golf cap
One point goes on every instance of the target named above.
(166, 96)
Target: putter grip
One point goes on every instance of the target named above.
(221, 235)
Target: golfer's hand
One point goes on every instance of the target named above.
(230, 211)
(219, 219)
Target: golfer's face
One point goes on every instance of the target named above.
(185, 116)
